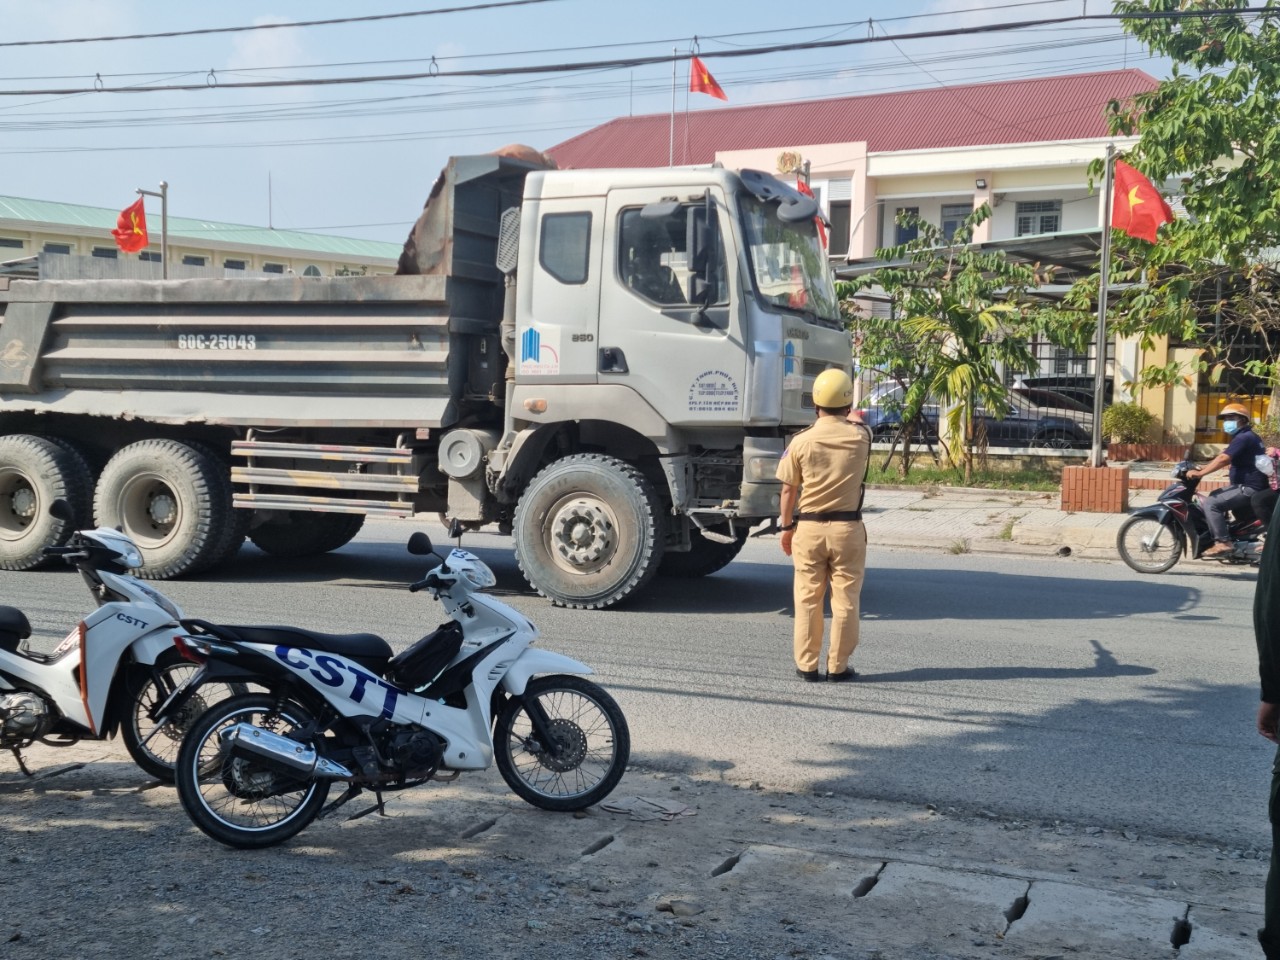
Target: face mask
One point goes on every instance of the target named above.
(1230, 427)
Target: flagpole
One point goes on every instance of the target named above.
(164, 225)
(1100, 367)
(671, 138)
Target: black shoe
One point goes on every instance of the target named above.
(808, 676)
(849, 674)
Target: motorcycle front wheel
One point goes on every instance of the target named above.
(589, 748)
(1147, 545)
(242, 801)
(145, 692)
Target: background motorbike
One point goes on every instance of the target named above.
(1154, 538)
(255, 770)
(112, 671)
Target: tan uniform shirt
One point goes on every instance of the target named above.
(827, 462)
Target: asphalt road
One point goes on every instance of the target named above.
(1043, 689)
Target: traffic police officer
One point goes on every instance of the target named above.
(822, 472)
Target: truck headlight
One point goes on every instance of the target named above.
(761, 469)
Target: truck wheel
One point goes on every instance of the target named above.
(35, 471)
(302, 534)
(232, 534)
(704, 558)
(586, 531)
(172, 501)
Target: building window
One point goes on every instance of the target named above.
(905, 233)
(13, 242)
(106, 253)
(57, 248)
(1038, 216)
(273, 268)
(311, 271)
(953, 215)
(150, 256)
(233, 264)
(839, 228)
(564, 246)
(191, 260)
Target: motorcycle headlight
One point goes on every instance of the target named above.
(479, 575)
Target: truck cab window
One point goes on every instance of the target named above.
(564, 246)
(652, 260)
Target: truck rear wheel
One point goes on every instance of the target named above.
(304, 534)
(704, 558)
(172, 501)
(586, 531)
(35, 471)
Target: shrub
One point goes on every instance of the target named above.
(1127, 422)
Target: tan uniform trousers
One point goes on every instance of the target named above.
(828, 552)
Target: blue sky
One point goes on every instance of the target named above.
(359, 159)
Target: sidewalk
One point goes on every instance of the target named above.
(971, 520)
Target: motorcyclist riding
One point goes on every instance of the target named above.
(1245, 477)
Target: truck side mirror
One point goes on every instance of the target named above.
(700, 243)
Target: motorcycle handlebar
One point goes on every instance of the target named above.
(63, 552)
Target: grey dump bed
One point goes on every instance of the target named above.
(294, 351)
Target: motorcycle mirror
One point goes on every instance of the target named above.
(420, 545)
(60, 509)
(456, 529)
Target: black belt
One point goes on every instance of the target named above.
(836, 515)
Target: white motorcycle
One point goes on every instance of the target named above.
(256, 769)
(111, 673)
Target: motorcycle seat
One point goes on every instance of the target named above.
(14, 621)
(366, 647)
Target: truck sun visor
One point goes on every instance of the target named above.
(793, 206)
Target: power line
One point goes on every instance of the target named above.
(212, 82)
(275, 26)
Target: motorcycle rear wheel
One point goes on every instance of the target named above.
(590, 753)
(1149, 546)
(243, 802)
(159, 756)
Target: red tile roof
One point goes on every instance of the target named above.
(1017, 111)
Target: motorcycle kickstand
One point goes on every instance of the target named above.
(22, 764)
(350, 793)
(379, 808)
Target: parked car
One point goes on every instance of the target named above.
(1078, 387)
(1061, 423)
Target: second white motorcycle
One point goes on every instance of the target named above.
(256, 769)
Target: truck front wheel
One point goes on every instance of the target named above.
(587, 531)
(171, 500)
(35, 471)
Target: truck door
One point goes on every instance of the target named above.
(556, 340)
(686, 359)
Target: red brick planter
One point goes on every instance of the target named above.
(1095, 489)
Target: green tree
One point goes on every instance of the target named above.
(960, 318)
(1210, 280)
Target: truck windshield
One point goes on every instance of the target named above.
(787, 261)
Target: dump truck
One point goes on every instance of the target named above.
(603, 364)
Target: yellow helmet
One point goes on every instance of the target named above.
(832, 389)
(1233, 410)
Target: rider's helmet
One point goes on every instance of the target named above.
(1233, 410)
(833, 389)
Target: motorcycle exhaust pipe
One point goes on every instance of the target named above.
(289, 756)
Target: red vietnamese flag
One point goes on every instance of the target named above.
(701, 80)
(131, 228)
(1137, 207)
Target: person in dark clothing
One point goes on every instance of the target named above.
(1266, 629)
(1245, 477)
